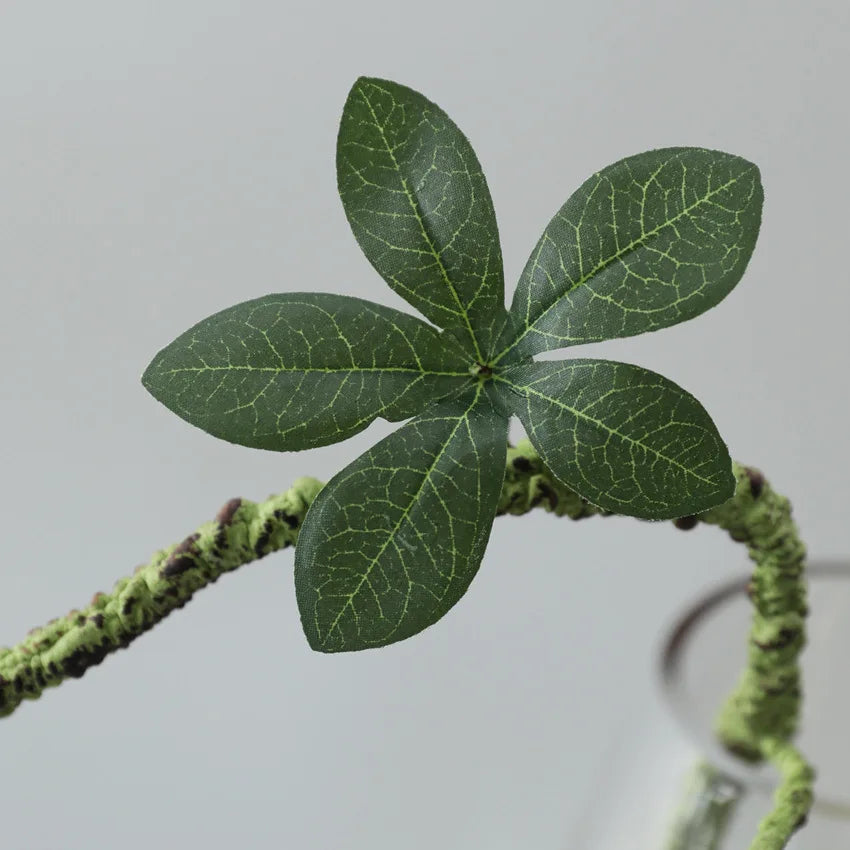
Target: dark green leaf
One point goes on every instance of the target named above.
(299, 370)
(650, 241)
(622, 437)
(393, 540)
(419, 205)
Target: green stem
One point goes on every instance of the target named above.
(761, 715)
(68, 646)
(766, 702)
(793, 798)
(756, 722)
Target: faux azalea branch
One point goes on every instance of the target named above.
(243, 531)
(394, 539)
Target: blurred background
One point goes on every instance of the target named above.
(160, 161)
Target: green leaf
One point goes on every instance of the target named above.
(624, 438)
(392, 542)
(300, 370)
(650, 241)
(418, 203)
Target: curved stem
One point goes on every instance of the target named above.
(793, 798)
(761, 715)
(756, 722)
(766, 702)
(68, 646)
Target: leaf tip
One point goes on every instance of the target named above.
(363, 82)
(149, 376)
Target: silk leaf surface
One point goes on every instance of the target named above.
(647, 242)
(393, 540)
(300, 370)
(419, 206)
(624, 438)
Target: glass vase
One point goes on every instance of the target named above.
(680, 790)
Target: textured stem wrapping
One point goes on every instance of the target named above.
(766, 702)
(762, 713)
(66, 647)
(757, 721)
(793, 798)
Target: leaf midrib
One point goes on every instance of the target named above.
(404, 515)
(634, 245)
(527, 390)
(404, 369)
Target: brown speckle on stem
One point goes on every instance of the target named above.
(228, 511)
(756, 481)
(180, 560)
(291, 521)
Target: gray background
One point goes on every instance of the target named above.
(160, 161)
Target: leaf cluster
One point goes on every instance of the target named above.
(394, 539)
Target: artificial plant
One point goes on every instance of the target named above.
(392, 542)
